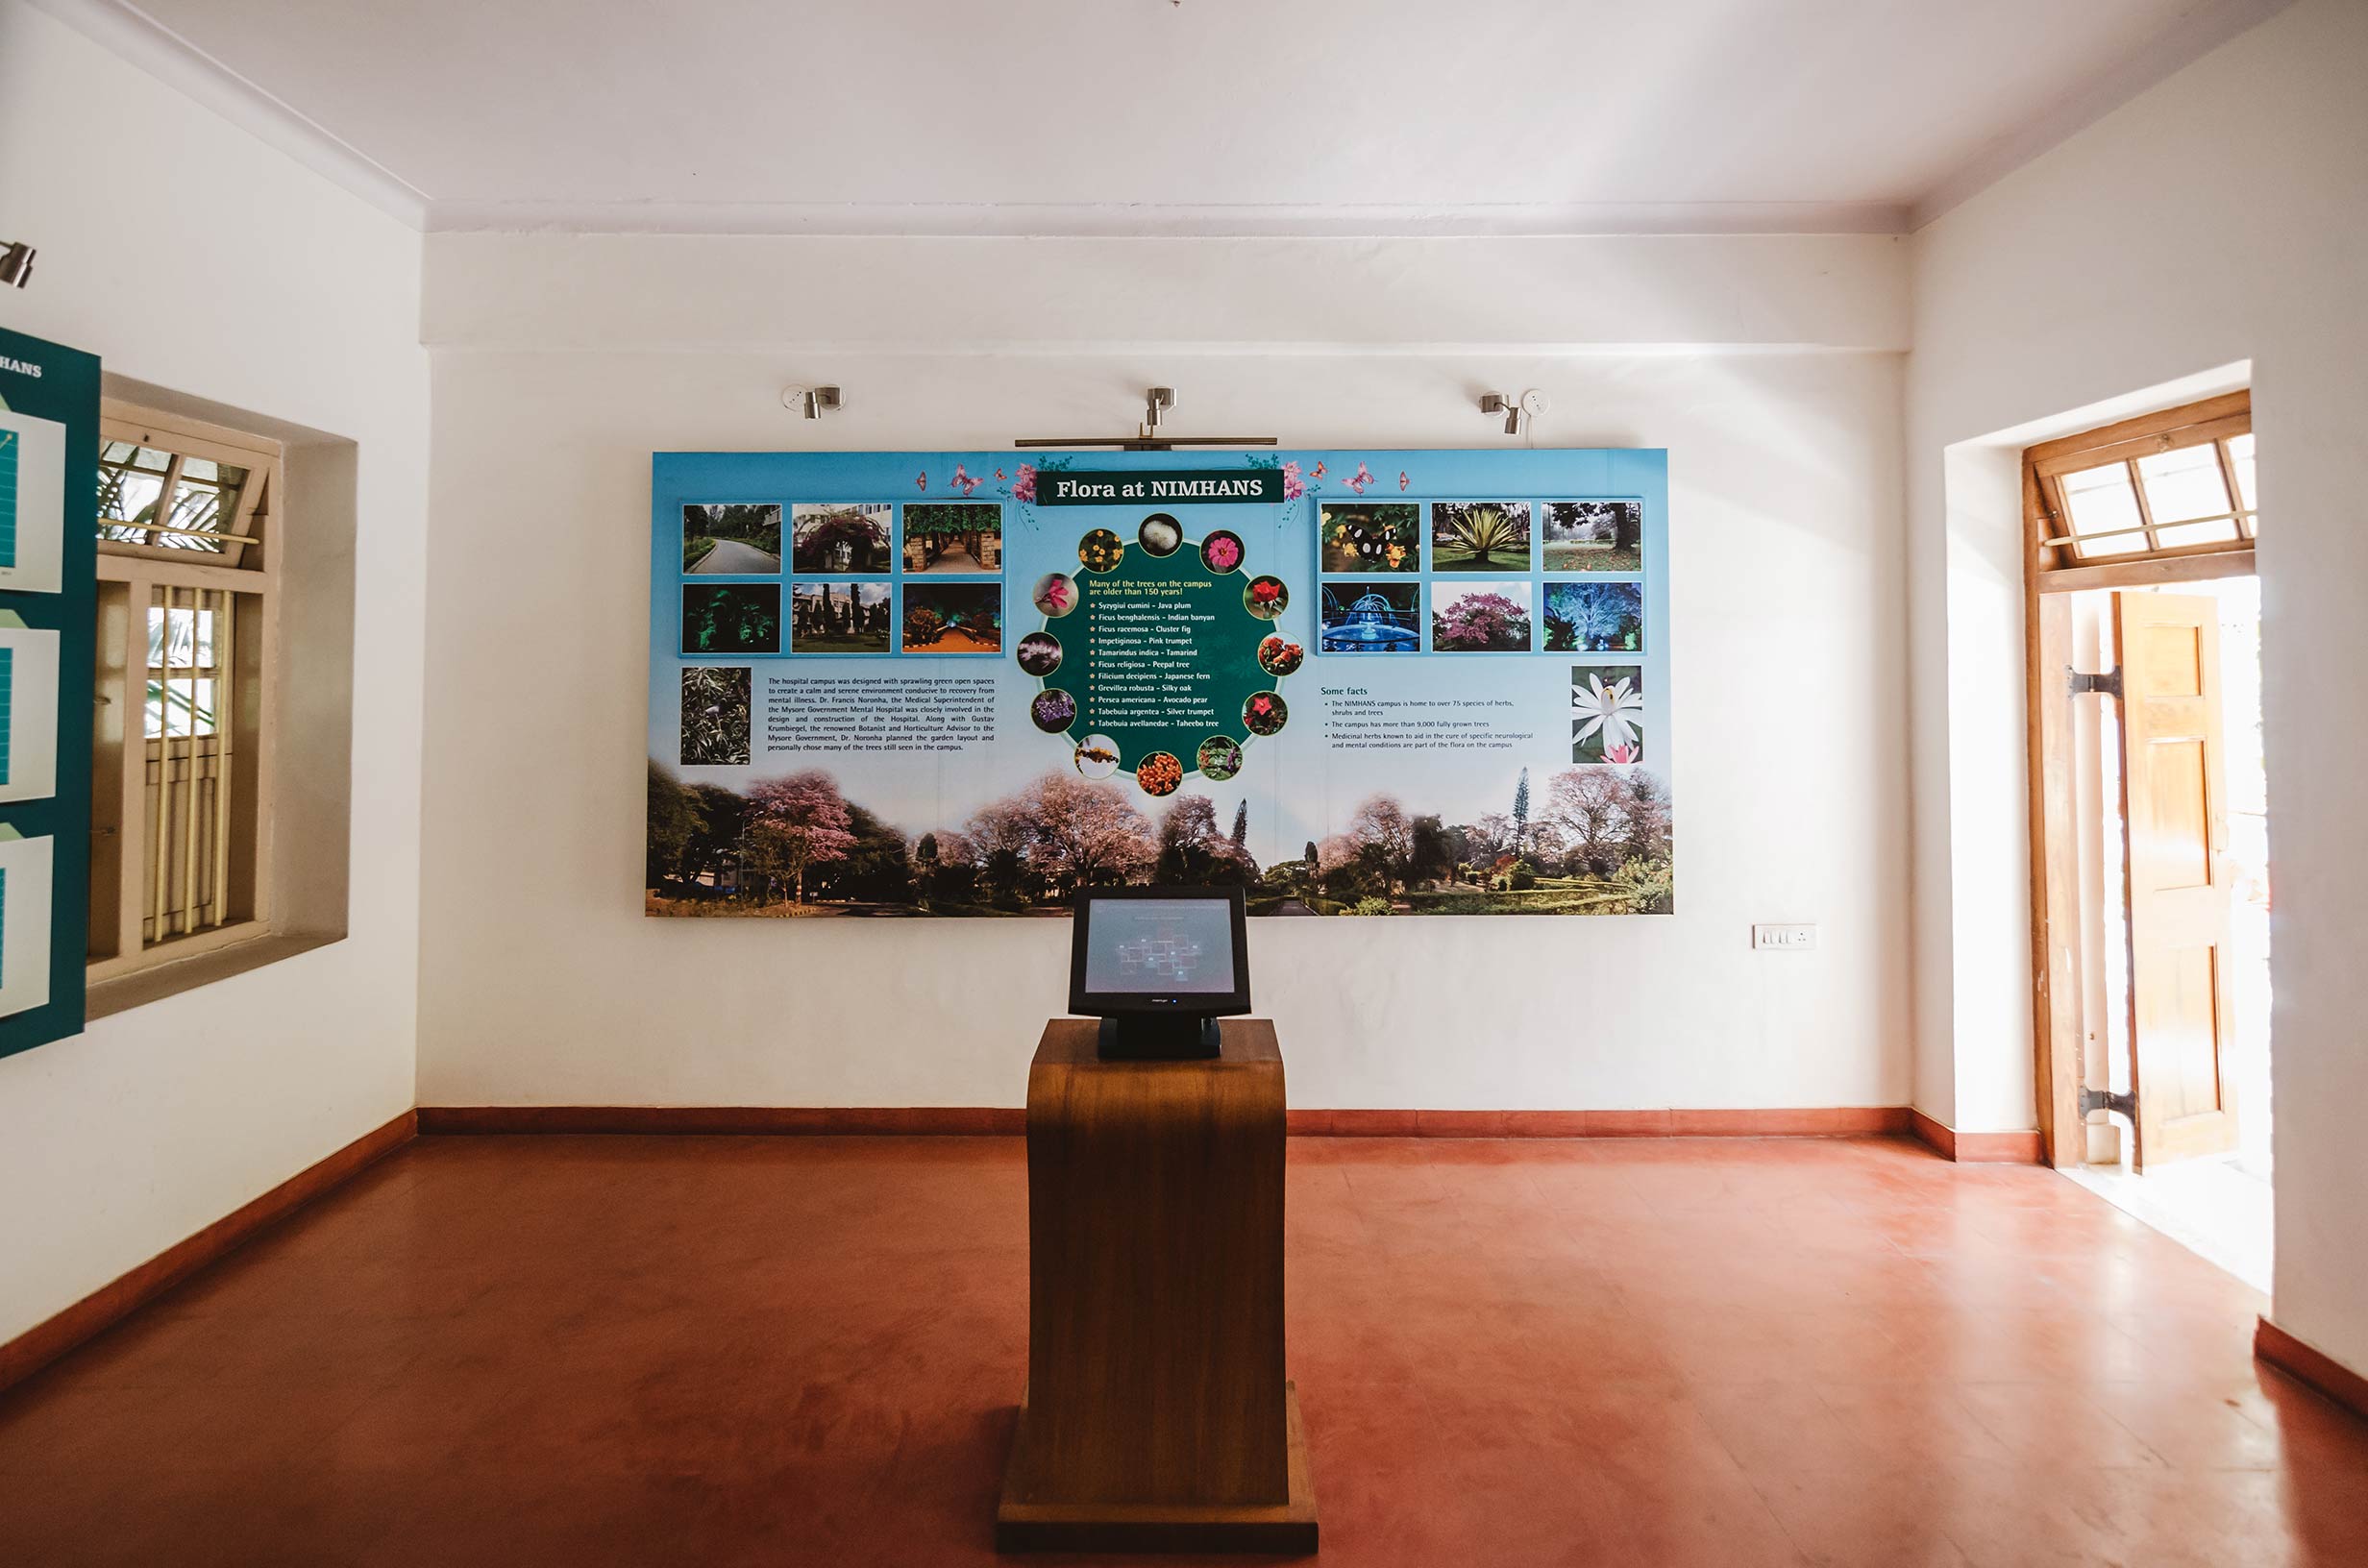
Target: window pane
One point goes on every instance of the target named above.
(2198, 534)
(2240, 458)
(2100, 499)
(127, 494)
(198, 506)
(132, 505)
(180, 707)
(2186, 483)
(2183, 484)
(191, 644)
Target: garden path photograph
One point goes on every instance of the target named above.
(731, 540)
(952, 537)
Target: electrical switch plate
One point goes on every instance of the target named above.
(1783, 939)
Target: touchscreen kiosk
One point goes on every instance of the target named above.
(1159, 967)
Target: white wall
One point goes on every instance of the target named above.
(2221, 217)
(561, 364)
(189, 256)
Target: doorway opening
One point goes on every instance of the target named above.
(2150, 824)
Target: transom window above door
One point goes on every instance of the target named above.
(2162, 487)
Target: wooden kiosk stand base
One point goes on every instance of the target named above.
(1156, 1415)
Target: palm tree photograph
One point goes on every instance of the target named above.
(1480, 536)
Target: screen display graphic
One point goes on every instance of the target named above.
(1159, 946)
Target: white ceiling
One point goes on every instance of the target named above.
(1101, 116)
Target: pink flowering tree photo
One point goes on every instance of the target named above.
(797, 823)
(1481, 617)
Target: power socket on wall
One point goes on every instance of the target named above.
(1782, 938)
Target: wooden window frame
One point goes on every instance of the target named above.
(249, 565)
(2053, 545)
(2059, 1057)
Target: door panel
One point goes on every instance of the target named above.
(2175, 814)
(2178, 853)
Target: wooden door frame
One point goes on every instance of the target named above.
(2056, 959)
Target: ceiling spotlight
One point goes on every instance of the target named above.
(812, 401)
(1529, 406)
(1156, 401)
(15, 264)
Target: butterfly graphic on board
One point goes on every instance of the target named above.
(1317, 473)
(963, 482)
(1401, 482)
(921, 481)
(1357, 481)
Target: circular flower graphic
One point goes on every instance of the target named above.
(1040, 653)
(1052, 710)
(1221, 551)
(1159, 773)
(1097, 756)
(1264, 713)
(1264, 597)
(1220, 758)
(1102, 550)
(1160, 534)
(1055, 594)
(1279, 655)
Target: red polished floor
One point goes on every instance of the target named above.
(720, 1351)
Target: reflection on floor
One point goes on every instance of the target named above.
(2219, 1209)
(726, 1351)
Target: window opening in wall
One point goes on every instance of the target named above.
(183, 744)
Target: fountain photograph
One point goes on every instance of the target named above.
(1372, 617)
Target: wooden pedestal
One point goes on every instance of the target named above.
(1157, 1416)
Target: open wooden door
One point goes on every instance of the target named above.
(2175, 815)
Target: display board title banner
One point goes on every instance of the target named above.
(1246, 487)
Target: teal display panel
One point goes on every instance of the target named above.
(49, 453)
(11, 453)
(1349, 681)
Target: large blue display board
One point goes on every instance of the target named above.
(969, 683)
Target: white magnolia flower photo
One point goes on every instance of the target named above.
(1610, 722)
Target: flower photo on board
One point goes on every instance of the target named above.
(1607, 713)
(1480, 618)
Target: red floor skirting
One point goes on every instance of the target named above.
(2306, 1364)
(1805, 1121)
(47, 1340)
(2023, 1148)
